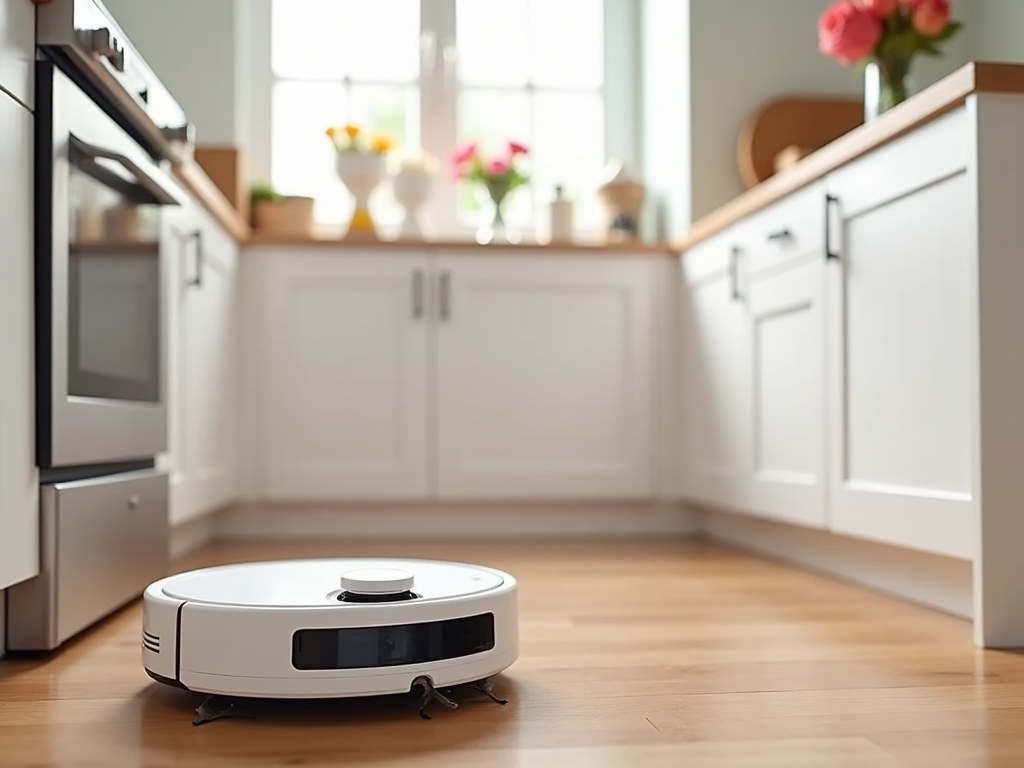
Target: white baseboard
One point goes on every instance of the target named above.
(941, 583)
(190, 536)
(459, 520)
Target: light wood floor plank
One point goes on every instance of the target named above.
(654, 654)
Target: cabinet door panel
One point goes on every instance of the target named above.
(544, 378)
(19, 479)
(787, 426)
(346, 377)
(716, 383)
(902, 360)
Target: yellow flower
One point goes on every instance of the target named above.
(380, 144)
(352, 130)
(332, 133)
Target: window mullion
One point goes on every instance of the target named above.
(439, 111)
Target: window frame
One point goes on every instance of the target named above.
(438, 88)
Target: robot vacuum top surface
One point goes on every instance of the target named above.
(331, 582)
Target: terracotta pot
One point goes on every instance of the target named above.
(290, 216)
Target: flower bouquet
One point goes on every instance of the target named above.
(360, 164)
(884, 36)
(498, 176)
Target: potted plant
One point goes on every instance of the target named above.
(360, 164)
(884, 37)
(276, 214)
(497, 176)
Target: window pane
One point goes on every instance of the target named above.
(569, 150)
(567, 43)
(331, 39)
(491, 119)
(491, 36)
(302, 157)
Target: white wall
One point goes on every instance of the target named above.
(196, 50)
(999, 30)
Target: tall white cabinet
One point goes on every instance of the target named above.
(19, 516)
(400, 374)
(203, 378)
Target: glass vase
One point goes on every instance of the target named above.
(493, 228)
(886, 84)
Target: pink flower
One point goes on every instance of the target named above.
(515, 148)
(848, 32)
(464, 154)
(930, 16)
(497, 168)
(880, 9)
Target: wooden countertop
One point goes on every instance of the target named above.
(945, 95)
(616, 249)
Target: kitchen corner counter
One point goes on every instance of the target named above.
(198, 183)
(940, 98)
(584, 249)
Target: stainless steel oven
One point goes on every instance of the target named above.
(103, 190)
(101, 276)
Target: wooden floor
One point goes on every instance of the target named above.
(633, 654)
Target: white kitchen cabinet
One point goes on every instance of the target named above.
(19, 479)
(786, 478)
(715, 336)
(544, 377)
(204, 381)
(900, 339)
(401, 375)
(784, 251)
(345, 368)
(18, 49)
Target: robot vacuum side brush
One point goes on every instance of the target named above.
(330, 628)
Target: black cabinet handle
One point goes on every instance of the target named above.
(782, 234)
(417, 294)
(445, 286)
(829, 253)
(197, 281)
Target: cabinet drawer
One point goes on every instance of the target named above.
(713, 258)
(791, 228)
(104, 541)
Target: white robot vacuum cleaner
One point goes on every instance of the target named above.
(330, 628)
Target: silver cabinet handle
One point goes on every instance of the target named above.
(445, 289)
(417, 294)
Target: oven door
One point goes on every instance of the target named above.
(103, 345)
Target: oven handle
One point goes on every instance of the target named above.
(154, 187)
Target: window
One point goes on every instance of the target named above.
(434, 74)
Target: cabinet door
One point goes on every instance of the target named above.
(544, 377)
(715, 374)
(19, 480)
(345, 376)
(787, 358)
(18, 49)
(901, 346)
(204, 411)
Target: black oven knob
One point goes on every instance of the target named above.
(104, 44)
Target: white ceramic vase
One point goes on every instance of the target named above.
(361, 174)
(412, 189)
